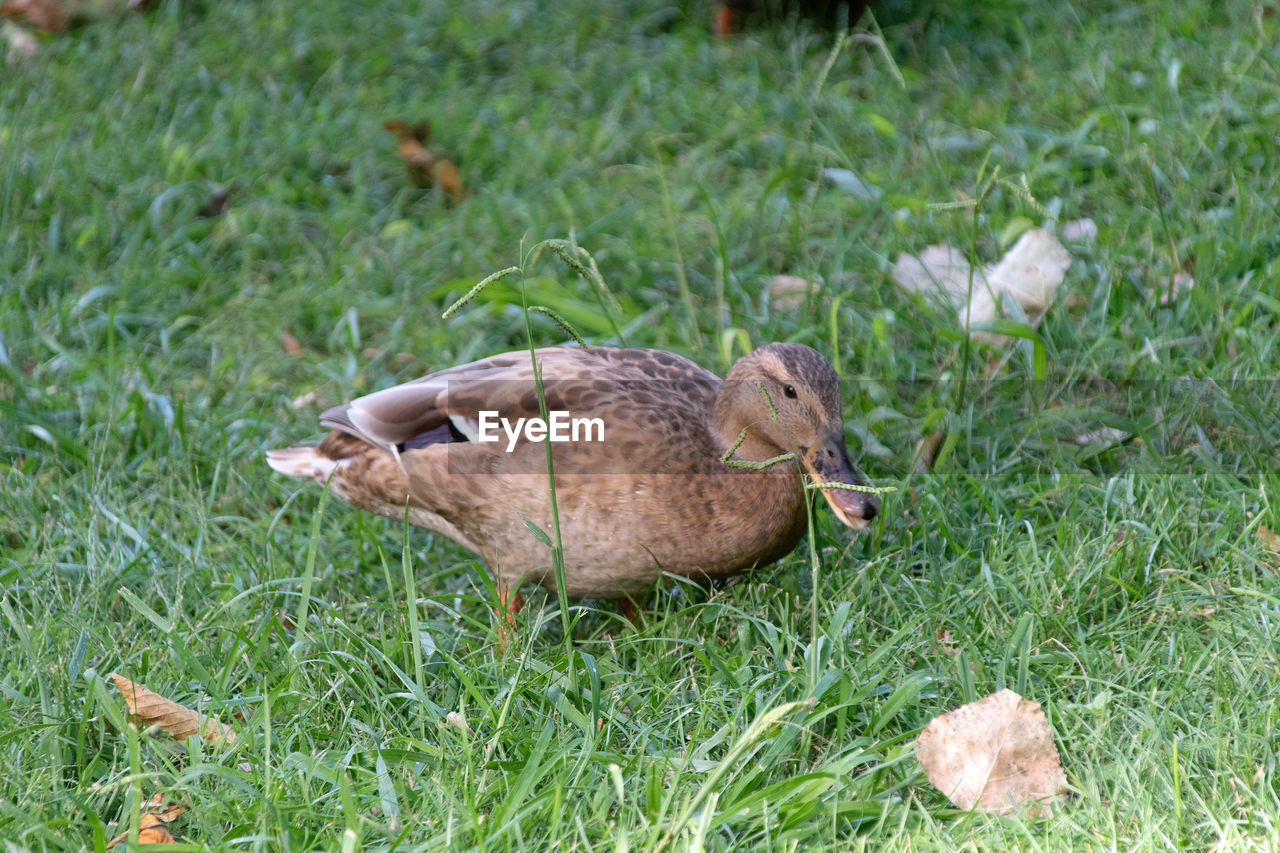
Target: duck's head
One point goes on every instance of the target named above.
(787, 397)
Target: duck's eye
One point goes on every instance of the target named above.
(789, 390)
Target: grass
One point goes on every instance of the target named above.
(142, 375)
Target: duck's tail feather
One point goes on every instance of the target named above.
(302, 460)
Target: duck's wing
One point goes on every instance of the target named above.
(445, 406)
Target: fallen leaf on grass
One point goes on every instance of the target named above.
(938, 269)
(789, 291)
(1181, 283)
(458, 721)
(303, 400)
(450, 180)
(1269, 538)
(944, 640)
(42, 14)
(925, 451)
(1029, 273)
(166, 812)
(151, 709)
(153, 828)
(22, 44)
(1080, 231)
(54, 16)
(151, 831)
(996, 755)
(1102, 435)
(425, 166)
(852, 184)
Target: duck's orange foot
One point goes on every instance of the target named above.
(631, 610)
(722, 21)
(509, 603)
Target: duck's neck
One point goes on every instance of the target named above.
(727, 421)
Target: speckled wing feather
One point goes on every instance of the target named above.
(589, 382)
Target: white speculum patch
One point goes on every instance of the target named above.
(560, 426)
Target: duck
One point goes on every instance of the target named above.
(674, 470)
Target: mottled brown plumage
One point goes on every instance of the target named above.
(653, 496)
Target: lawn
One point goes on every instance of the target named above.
(1094, 530)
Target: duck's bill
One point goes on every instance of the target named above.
(829, 464)
(855, 509)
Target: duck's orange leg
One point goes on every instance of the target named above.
(631, 610)
(722, 21)
(509, 603)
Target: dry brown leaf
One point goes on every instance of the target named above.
(56, 15)
(425, 167)
(151, 709)
(1270, 539)
(944, 638)
(151, 831)
(996, 755)
(167, 813)
(1030, 273)
(446, 175)
(925, 451)
(42, 14)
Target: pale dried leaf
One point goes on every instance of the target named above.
(1169, 292)
(789, 291)
(459, 722)
(1032, 270)
(1080, 231)
(290, 343)
(938, 270)
(22, 45)
(151, 709)
(851, 183)
(303, 400)
(1102, 435)
(1030, 273)
(1269, 538)
(996, 755)
(925, 451)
